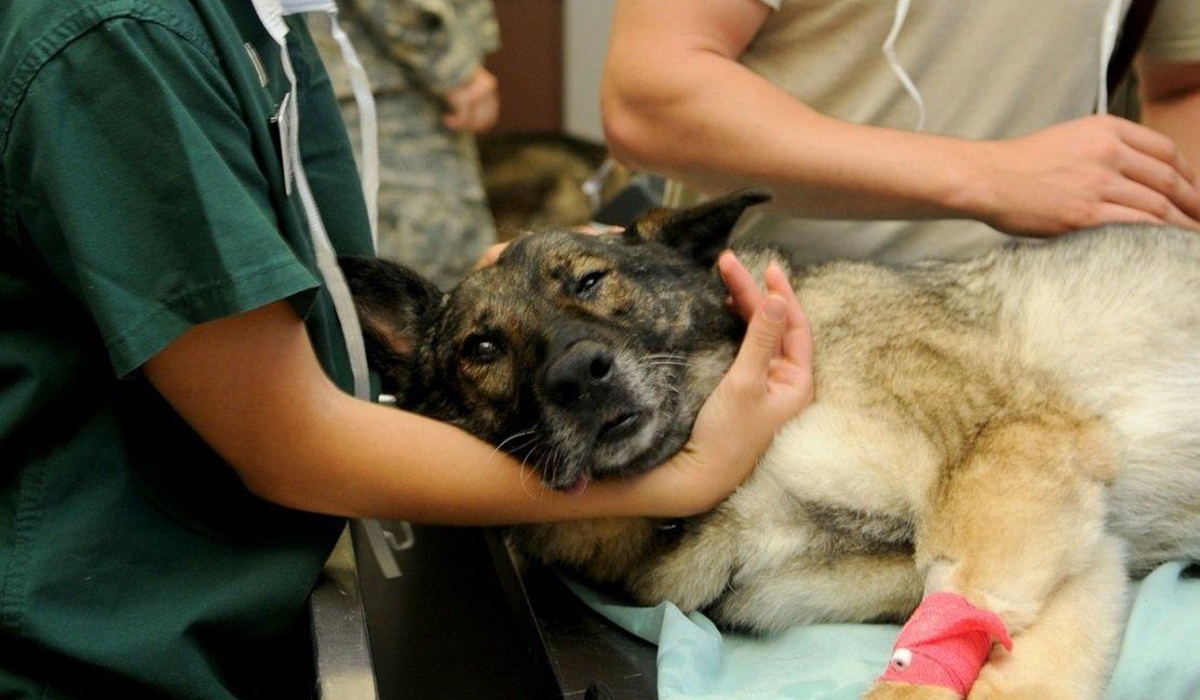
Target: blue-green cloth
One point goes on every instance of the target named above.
(1160, 653)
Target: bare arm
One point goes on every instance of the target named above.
(695, 114)
(251, 386)
(1171, 102)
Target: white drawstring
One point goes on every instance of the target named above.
(889, 51)
(335, 281)
(368, 125)
(1113, 16)
(271, 14)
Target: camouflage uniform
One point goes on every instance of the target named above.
(433, 213)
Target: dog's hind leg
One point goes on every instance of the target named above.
(1017, 529)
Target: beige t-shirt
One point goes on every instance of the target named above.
(985, 69)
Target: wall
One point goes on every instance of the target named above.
(529, 65)
(585, 30)
(550, 64)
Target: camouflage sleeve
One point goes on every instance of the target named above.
(440, 41)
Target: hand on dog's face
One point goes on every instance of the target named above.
(586, 355)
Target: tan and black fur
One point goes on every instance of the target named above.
(1022, 429)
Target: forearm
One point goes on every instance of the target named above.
(366, 460)
(252, 388)
(671, 121)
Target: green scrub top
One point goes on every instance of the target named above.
(142, 193)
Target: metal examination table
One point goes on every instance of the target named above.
(462, 621)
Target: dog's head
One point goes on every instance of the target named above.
(585, 355)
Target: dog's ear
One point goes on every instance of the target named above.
(700, 232)
(396, 307)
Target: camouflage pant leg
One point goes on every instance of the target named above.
(415, 229)
(433, 213)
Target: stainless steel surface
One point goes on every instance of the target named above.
(463, 621)
(339, 629)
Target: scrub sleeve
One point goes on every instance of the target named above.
(143, 194)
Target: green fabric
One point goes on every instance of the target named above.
(141, 194)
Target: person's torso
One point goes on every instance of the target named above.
(982, 70)
(133, 562)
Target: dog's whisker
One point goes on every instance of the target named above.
(667, 360)
(673, 356)
(514, 436)
(521, 448)
(526, 475)
(532, 456)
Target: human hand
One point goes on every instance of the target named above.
(473, 106)
(769, 383)
(745, 296)
(1086, 172)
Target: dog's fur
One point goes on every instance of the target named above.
(536, 180)
(1022, 429)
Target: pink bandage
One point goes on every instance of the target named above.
(945, 643)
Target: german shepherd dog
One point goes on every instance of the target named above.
(1022, 429)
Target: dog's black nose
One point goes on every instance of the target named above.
(583, 371)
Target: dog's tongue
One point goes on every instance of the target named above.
(578, 487)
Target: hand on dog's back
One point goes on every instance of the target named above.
(771, 380)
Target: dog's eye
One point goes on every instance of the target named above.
(586, 286)
(481, 348)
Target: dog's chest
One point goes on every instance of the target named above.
(795, 561)
(778, 524)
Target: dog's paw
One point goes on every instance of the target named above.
(887, 690)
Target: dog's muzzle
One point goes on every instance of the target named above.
(594, 411)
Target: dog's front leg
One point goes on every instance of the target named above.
(1069, 650)
(1012, 541)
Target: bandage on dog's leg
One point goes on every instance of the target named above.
(945, 643)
